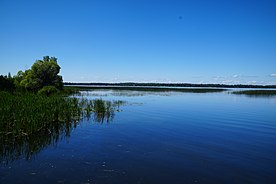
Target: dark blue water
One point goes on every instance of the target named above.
(162, 138)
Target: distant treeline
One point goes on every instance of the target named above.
(171, 85)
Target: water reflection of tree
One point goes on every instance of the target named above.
(15, 147)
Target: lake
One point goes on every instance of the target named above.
(156, 137)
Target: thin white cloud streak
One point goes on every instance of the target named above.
(244, 76)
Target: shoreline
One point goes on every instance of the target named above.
(186, 85)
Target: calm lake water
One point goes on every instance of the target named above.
(160, 137)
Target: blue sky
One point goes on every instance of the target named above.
(196, 41)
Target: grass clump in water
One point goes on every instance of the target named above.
(30, 122)
(256, 92)
(24, 114)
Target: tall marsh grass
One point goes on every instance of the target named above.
(25, 114)
(30, 122)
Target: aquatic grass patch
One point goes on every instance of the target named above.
(256, 93)
(24, 114)
(30, 122)
(105, 110)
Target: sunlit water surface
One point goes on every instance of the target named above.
(167, 137)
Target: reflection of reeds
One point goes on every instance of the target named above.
(30, 122)
(105, 110)
(13, 148)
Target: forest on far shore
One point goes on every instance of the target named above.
(170, 85)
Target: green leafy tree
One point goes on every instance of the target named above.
(42, 73)
(6, 83)
(18, 78)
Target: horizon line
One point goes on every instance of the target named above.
(166, 83)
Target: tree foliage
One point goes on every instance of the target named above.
(6, 83)
(42, 73)
(48, 91)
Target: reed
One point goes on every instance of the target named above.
(24, 114)
(29, 122)
(256, 92)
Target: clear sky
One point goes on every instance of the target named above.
(195, 41)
